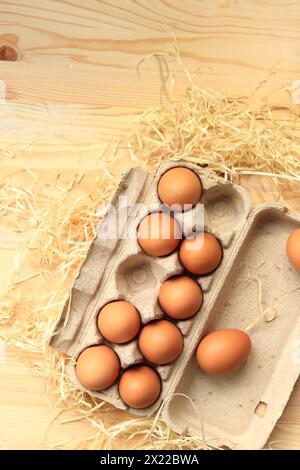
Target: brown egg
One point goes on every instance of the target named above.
(159, 234)
(139, 386)
(160, 342)
(180, 297)
(119, 322)
(223, 351)
(180, 186)
(97, 367)
(293, 249)
(200, 254)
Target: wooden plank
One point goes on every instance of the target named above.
(75, 89)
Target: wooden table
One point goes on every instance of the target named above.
(74, 87)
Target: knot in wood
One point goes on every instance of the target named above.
(8, 53)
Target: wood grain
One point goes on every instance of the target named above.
(74, 88)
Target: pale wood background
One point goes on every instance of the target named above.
(75, 87)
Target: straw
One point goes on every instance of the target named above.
(231, 136)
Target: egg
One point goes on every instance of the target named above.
(119, 322)
(223, 351)
(139, 386)
(179, 186)
(97, 367)
(180, 297)
(200, 254)
(293, 249)
(160, 342)
(159, 234)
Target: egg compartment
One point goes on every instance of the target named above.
(239, 410)
(119, 269)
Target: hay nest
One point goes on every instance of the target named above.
(234, 137)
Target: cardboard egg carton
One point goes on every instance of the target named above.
(237, 410)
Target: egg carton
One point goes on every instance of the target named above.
(237, 410)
